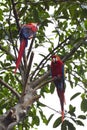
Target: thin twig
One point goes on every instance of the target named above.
(81, 81)
(10, 88)
(15, 15)
(74, 49)
(30, 47)
(10, 33)
(30, 63)
(51, 108)
(28, 68)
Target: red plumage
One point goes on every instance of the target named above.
(27, 31)
(33, 26)
(20, 54)
(57, 70)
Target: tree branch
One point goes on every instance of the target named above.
(74, 49)
(30, 47)
(30, 63)
(40, 80)
(10, 88)
(15, 15)
(19, 111)
(43, 84)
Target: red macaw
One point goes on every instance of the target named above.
(27, 31)
(57, 70)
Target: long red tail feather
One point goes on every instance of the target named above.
(20, 54)
(62, 113)
(62, 100)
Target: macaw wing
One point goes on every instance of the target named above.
(26, 32)
(63, 79)
(60, 84)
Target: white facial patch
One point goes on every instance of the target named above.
(54, 59)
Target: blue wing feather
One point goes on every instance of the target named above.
(63, 77)
(60, 83)
(26, 32)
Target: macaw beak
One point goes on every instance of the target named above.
(53, 60)
(38, 25)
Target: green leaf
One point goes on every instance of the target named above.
(75, 95)
(35, 13)
(1, 15)
(52, 88)
(85, 24)
(67, 126)
(49, 118)
(72, 110)
(82, 117)
(70, 126)
(43, 117)
(64, 126)
(79, 122)
(22, 12)
(57, 122)
(50, 49)
(84, 105)
(83, 95)
(36, 120)
(42, 55)
(6, 78)
(40, 104)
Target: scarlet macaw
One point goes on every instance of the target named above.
(57, 70)
(27, 31)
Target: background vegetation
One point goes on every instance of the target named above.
(69, 27)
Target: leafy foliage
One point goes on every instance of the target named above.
(57, 122)
(69, 21)
(84, 105)
(67, 125)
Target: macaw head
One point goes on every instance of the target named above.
(33, 26)
(55, 58)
